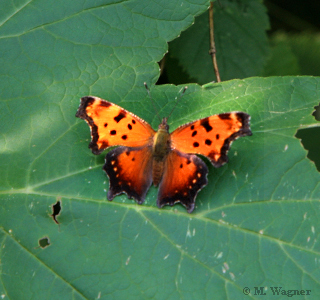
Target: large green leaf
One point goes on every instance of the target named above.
(255, 223)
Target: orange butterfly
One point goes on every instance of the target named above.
(168, 160)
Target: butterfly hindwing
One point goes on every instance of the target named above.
(129, 171)
(211, 136)
(183, 177)
(111, 125)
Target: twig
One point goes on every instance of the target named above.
(212, 50)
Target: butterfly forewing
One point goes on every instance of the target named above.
(111, 125)
(211, 136)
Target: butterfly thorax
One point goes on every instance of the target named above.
(160, 149)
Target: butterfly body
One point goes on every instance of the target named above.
(160, 150)
(146, 156)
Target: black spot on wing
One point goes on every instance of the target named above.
(205, 123)
(105, 104)
(225, 116)
(120, 116)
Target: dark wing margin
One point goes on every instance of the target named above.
(82, 114)
(244, 118)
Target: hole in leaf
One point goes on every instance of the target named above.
(310, 139)
(56, 209)
(44, 242)
(316, 113)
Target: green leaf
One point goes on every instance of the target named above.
(255, 223)
(306, 48)
(282, 61)
(294, 54)
(240, 38)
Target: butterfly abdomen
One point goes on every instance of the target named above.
(160, 150)
(157, 171)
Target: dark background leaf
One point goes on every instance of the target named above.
(240, 38)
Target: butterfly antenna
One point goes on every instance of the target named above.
(154, 105)
(182, 93)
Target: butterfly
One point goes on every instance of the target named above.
(168, 160)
